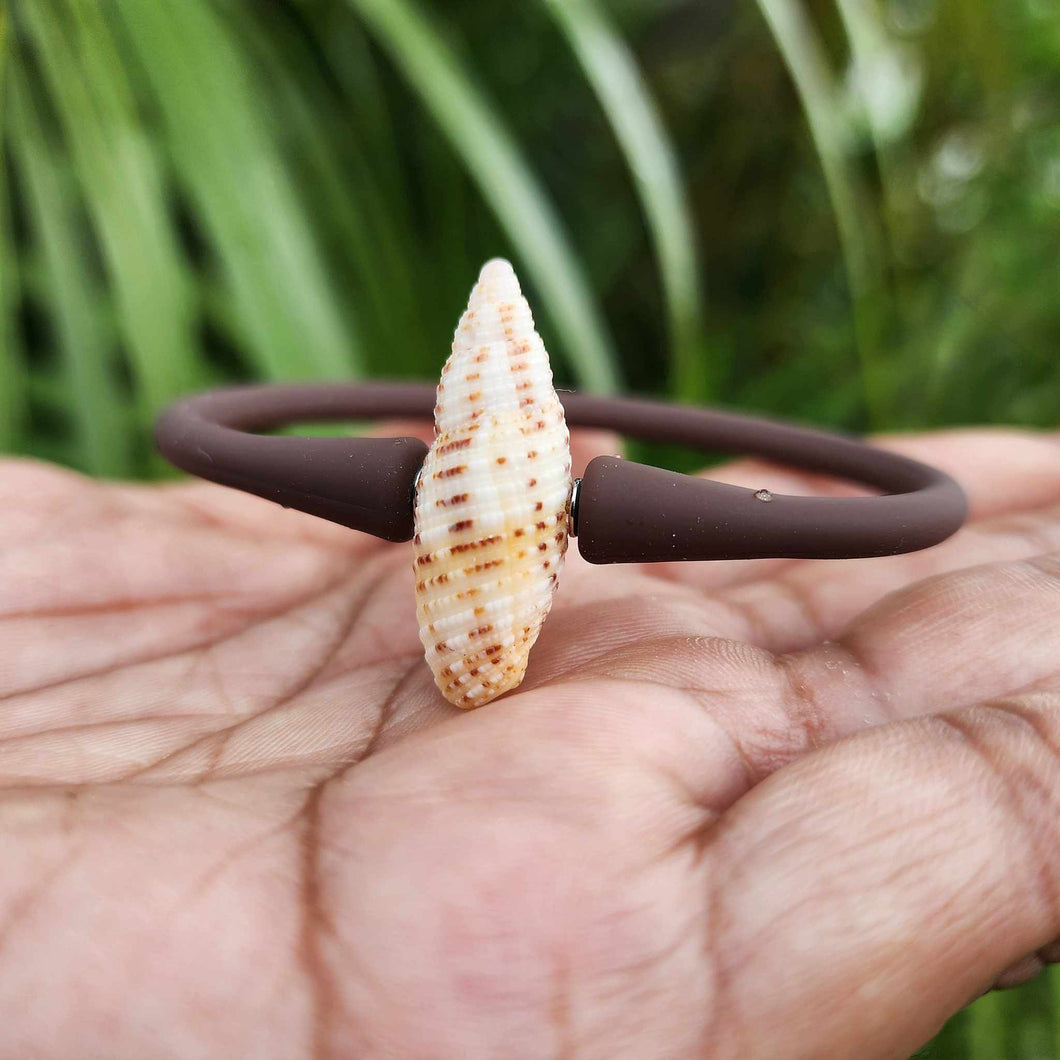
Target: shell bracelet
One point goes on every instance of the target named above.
(491, 504)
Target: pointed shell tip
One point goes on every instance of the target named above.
(498, 272)
(496, 265)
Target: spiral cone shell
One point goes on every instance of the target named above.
(492, 498)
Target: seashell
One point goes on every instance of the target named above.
(492, 498)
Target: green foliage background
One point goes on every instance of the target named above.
(842, 211)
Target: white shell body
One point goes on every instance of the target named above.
(492, 498)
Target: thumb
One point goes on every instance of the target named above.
(867, 892)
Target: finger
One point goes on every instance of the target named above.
(810, 602)
(422, 429)
(1029, 967)
(1002, 471)
(1023, 971)
(861, 896)
(941, 645)
(586, 445)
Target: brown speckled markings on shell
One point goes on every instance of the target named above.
(492, 498)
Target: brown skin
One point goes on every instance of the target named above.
(736, 810)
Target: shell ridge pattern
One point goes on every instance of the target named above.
(492, 498)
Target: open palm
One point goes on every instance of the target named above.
(238, 820)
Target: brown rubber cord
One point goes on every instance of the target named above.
(625, 512)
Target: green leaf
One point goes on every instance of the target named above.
(1054, 995)
(804, 56)
(226, 155)
(12, 368)
(123, 191)
(103, 441)
(985, 1027)
(612, 70)
(353, 63)
(504, 179)
(361, 215)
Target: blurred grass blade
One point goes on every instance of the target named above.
(985, 1027)
(12, 370)
(612, 70)
(885, 74)
(804, 57)
(503, 177)
(1054, 972)
(886, 80)
(353, 63)
(220, 136)
(361, 214)
(119, 176)
(103, 444)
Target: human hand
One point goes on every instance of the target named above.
(774, 809)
